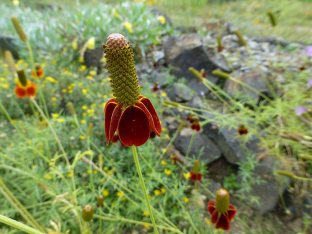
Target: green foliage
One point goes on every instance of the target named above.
(230, 182)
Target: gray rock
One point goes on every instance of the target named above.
(186, 51)
(219, 60)
(271, 40)
(8, 43)
(196, 102)
(92, 58)
(252, 78)
(231, 148)
(268, 193)
(211, 152)
(180, 93)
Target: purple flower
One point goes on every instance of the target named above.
(309, 84)
(300, 109)
(202, 93)
(309, 50)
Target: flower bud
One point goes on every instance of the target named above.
(221, 74)
(272, 18)
(89, 131)
(10, 61)
(196, 74)
(285, 173)
(240, 37)
(22, 77)
(196, 167)
(71, 109)
(19, 29)
(100, 201)
(87, 213)
(222, 201)
(219, 41)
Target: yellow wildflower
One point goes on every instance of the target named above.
(208, 221)
(128, 26)
(145, 213)
(61, 120)
(69, 174)
(15, 2)
(82, 137)
(167, 172)
(146, 225)
(53, 99)
(115, 13)
(75, 44)
(48, 177)
(105, 193)
(92, 73)
(157, 192)
(186, 200)
(55, 115)
(163, 94)
(162, 19)
(91, 43)
(83, 121)
(187, 175)
(120, 194)
(163, 190)
(163, 163)
(113, 204)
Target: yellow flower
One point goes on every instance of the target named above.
(186, 200)
(163, 163)
(105, 168)
(82, 137)
(55, 115)
(187, 175)
(115, 13)
(120, 194)
(84, 114)
(105, 193)
(163, 150)
(167, 172)
(146, 225)
(48, 177)
(91, 43)
(89, 77)
(92, 73)
(157, 192)
(149, 196)
(75, 44)
(15, 2)
(83, 121)
(82, 68)
(163, 190)
(257, 22)
(163, 94)
(102, 180)
(145, 213)
(53, 99)
(64, 90)
(84, 107)
(11, 144)
(69, 174)
(208, 221)
(162, 19)
(104, 96)
(113, 204)
(256, 5)
(112, 160)
(61, 120)
(128, 26)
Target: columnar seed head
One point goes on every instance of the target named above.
(116, 41)
(22, 77)
(119, 57)
(196, 167)
(87, 213)
(222, 201)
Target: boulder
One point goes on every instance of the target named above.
(268, 192)
(184, 51)
(180, 93)
(210, 152)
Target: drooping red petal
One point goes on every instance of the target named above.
(223, 223)
(193, 176)
(156, 127)
(114, 122)
(31, 90)
(108, 116)
(214, 216)
(199, 177)
(211, 206)
(133, 127)
(109, 101)
(20, 92)
(231, 212)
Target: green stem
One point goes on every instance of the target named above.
(137, 164)
(18, 225)
(187, 154)
(197, 207)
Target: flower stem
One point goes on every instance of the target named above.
(137, 164)
(18, 225)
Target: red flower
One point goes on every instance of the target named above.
(196, 176)
(242, 130)
(222, 212)
(155, 87)
(195, 126)
(37, 72)
(133, 123)
(174, 159)
(30, 90)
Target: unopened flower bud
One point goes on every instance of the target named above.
(285, 173)
(10, 61)
(272, 18)
(19, 29)
(196, 73)
(87, 213)
(240, 37)
(222, 201)
(22, 77)
(221, 74)
(71, 109)
(100, 201)
(89, 131)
